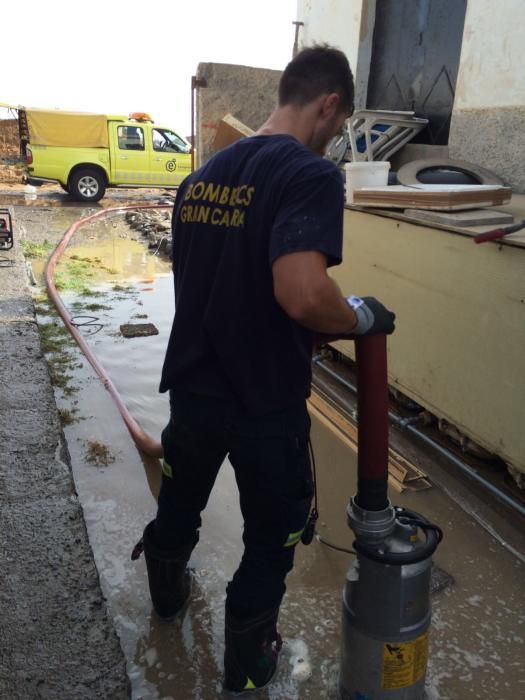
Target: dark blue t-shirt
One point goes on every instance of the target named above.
(259, 199)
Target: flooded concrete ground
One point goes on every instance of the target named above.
(478, 632)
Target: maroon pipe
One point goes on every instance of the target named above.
(498, 233)
(372, 416)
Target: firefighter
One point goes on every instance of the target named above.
(254, 231)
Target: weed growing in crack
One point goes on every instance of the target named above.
(36, 250)
(68, 416)
(99, 454)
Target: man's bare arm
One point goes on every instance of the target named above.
(304, 290)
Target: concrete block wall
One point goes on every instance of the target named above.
(248, 93)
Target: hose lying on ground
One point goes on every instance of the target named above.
(145, 443)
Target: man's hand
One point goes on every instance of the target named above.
(372, 316)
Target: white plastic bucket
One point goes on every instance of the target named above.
(365, 174)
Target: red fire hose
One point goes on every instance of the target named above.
(143, 441)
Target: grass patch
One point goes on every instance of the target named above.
(54, 338)
(99, 454)
(61, 379)
(88, 292)
(36, 250)
(42, 297)
(94, 262)
(73, 275)
(43, 310)
(140, 316)
(83, 306)
(57, 344)
(43, 305)
(122, 288)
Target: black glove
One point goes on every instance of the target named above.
(372, 316)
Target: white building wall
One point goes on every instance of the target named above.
(489, 108)
(492, 61)
(345, 24)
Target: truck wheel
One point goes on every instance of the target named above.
(87, 185)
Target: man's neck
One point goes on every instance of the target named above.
(296, 122)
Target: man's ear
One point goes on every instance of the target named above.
(330, 104)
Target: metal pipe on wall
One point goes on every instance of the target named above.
(407, 424)
(195, 84)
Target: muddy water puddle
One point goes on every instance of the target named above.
(182, 661)
(478, 633)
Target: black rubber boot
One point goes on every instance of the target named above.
(168, 577)
(251, 651)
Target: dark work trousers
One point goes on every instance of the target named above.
(272, 468)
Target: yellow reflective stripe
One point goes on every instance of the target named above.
(293, 538)
(166, 469)
(250, 685)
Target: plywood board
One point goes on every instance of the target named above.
(439, 197)
(474, 217)
(229, 130)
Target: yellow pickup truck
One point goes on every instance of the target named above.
(87, 153)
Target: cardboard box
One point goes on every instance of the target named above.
(229, 130)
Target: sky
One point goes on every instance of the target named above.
(122, 56)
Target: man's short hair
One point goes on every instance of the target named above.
(316, 71)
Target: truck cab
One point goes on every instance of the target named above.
(144, 154)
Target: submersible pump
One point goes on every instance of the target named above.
(386, 599)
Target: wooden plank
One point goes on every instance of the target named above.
(440, 197)
(402, 474)
(473, 217)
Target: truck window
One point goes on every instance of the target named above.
(168, 141)
(130, 138)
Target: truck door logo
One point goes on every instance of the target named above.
(171, 165)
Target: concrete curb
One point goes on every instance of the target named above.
(56, 636)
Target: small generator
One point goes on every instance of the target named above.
(6, 230)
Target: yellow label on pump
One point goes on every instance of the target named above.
(404, 663)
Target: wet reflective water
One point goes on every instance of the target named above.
(477, 642)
